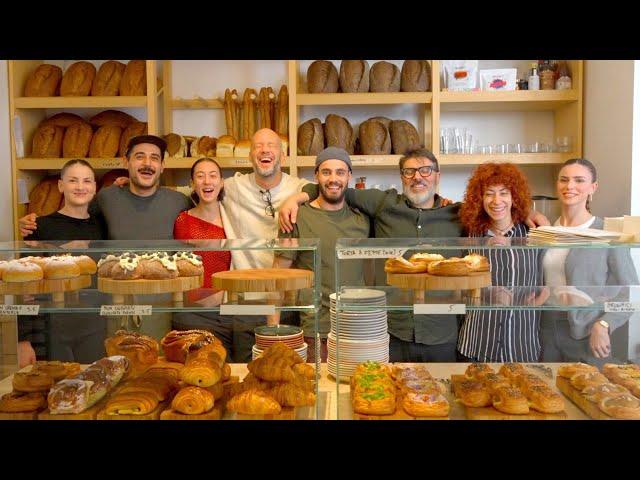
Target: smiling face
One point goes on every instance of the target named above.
(575, 184)
(207, 181)
(333, 178)
(266, 152)
(418, 189)
(145, 166)
(497, 202)
(78, 185)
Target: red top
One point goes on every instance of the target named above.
(187, 227)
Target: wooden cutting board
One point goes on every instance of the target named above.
(45, 286)
(148, 287)
(263, 279)
(214, 414)
(399, 414)
(490, 413)
(426, 281)
(588, 407)
(33, 415)
(153, 415)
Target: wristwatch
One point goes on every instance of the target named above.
(604, 324)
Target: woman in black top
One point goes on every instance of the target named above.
(72, 337)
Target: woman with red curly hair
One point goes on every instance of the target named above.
(496, 203)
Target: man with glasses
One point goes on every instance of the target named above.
(328, 217)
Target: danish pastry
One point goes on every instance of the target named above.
(472, 393)
(141, 350)
(512, 370)
(510, 400)
(426, 258)
(595, 393)
(31, 382)
(623, 407)
(16, 402)
(476, 371)
(55, 369)
(580, 381)
(569, 370)
(494, 381)
(425, 405)
(176, 343)
(544, 399)
(528, 380)
(402, 265)
(476, 263)
(452, 267)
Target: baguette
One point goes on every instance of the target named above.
(263, 108)
(272, 107)
(282, 112)
(248, 112)
(229, 107)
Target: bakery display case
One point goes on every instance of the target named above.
(140, 316)
(559, 351)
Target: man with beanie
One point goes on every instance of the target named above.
(328, 218)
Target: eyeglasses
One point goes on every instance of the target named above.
(268, 209)
(424, 171)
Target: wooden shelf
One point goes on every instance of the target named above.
(518, 100)
(57, 163)
(362, 98)
(356, 160)
(196, 104)
(225, 162)
(517, 158)
(80, 102)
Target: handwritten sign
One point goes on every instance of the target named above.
(621, 307)
(247, 309)
(120, 310)
(242, 161)
(110, 163)
(370, 252)
(19, 309)
(439, 308)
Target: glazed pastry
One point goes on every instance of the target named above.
(476, 371)
(159, 388)
(193, 401)
(476, 263)
(86, 264)
(164, 372)
(452, 267)
(16, 271)
(290, 395)
(421, 386)
(203, 367)
(472, 393)
(510, 400)
(425, 405)
(216, 390)
(176, 343)
(60, 267)
(114, 367)
(70, 395)
(414, 372)
(189, 264)
(55, 369)
(106, 264)
(568, 371)
(131, 403)
(304, 369)
(580, 381)
(511, 370)
(373, 391)
(96, 377)
(544, 399)
(611, 370)
(16, 402)
(425, 258)
(623, 407)
(141, 350)
(596, 393)
(31, 382)
(402, 265)
(494, 381)
(128, 268)
(254, 402)
(528, 380)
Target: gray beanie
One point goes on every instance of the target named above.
(333, 153)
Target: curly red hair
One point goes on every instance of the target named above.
(472, 215)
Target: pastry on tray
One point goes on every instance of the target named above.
(452, 267)
(402, 265)
(476, 263)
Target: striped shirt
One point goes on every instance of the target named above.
(506, 335)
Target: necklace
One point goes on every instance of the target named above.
(502, 231)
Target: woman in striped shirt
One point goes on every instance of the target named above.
(496, 204)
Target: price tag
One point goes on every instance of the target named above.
(613, 307)
(439, 308)
(247, 309)
(19, 309)
(111, 163)
(242, 161)
(120, 310)
(373, 252)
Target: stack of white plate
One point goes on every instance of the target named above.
(302, 351)
(362, 335)
(290, 335)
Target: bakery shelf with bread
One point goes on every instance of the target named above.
(80, 102)
(363, 98)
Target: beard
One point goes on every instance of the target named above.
(266, 173)
(156, 180)
(418, 198)
(329, 199)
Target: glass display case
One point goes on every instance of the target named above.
(550, 329)
(63, 314)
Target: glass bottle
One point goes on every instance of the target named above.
(534, 79)
(564, 78)
(547, 77)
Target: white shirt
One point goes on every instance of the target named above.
(244, 214)
(555, 259)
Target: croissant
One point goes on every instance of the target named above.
(193, 401)
(544, 399)
(272, 369)
(568, 371)
(279, 349)
(131, 403)
(290, 395)
(305, 370)
(425, 405)
(472, 393)
(216, 390)
(254, 402)
(226, 372)
(15, 402)
(510, 400)
(202, 368)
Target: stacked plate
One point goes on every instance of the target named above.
(290, 335)
(362, 335)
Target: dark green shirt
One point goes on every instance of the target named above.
(395, 217)
(328, 226)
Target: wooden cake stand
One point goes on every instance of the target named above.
(419, 282)
(120, 288)
(55, 287)
(287, 280)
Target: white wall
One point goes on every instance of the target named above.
(6, 199)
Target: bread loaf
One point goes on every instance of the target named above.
(44, 81)
(133, 130)
(248, 113)
(310, 137)
(230, 116)
(415, 76)
(384, 77)
(112, 118)
(77, 80)
(134, 79)
(45, 198)
(374, 138)
(242, 149)
(225, 146)
(204, 147)
(322, 77)
(339, 133)
(264, 111)
(176, 145)
(383, 120)
(63, 119)
(354, 76)
(105, 142)
(273, 100)
(77, 140)
(282, 112)
(404, 137)
(107, 81)
(47, 142)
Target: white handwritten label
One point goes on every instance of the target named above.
(242, 161)
(120, 310)
(613, 307)
(228, 309)
(438, 308)
(373, 252)
(19, 309)
(115, 163)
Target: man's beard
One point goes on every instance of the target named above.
(267, 173)
(332, 200)
(417, 198)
